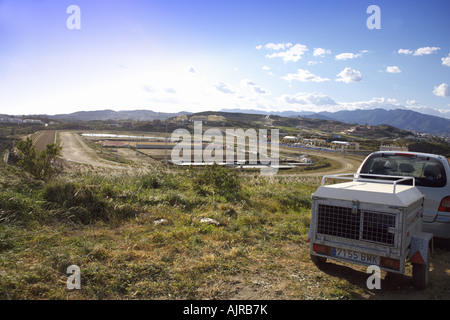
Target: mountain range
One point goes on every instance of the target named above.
(399, 118)
(104, 115)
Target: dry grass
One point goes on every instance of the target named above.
(104, 224)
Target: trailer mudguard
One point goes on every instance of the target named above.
(420, 246)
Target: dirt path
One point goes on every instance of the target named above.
(43, 138)
(346, 164)
(75, 149)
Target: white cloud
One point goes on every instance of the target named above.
(247, 83)
(320, 52)
(320, 102)
(429, 111)
(311, 62)
(259, 47)
(222, 87)
(308, 99)
(349, 75)
(252, 85)
(347, 55)
(444, 112)
(426, 50)
(304, 76)
(420, 51)
(404, 51)
(265, 68)
(277, 46)
(149, 89)
(393, 69)
(260, 90)
(442, 90)
(191, 69)
(374, 103)
(411, 102)
(294, 53)
(446, 61)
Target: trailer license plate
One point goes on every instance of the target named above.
(356, 256)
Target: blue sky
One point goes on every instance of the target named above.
(193, 56)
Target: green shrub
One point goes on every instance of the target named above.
(85, 203)
(216, 180)
(39, 165)
(150, 181)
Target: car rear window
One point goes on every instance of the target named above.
(428, 172)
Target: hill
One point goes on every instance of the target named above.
(104, 115)
(399, 118)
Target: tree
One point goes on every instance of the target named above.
(27, 155)
(40, 166)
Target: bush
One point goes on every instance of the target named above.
(40, 165)
(85, 203)
(216, 180)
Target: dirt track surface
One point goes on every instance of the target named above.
(346, 164)
(43, 138)
(75, 149)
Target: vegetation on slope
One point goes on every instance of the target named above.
(142, 236)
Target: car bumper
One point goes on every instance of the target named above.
(440, 227)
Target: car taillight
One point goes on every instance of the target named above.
(445, 204)
(318, 248)
(390, 263)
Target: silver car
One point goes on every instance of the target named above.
(432, 178)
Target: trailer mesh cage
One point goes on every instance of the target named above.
(357, 224)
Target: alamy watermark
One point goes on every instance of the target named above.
(374, 280)
(73, 22)
(374, 21)
(236, 148)
(74, 280)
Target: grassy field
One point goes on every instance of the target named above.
(145, 234)
(108, 225)
(143, 237)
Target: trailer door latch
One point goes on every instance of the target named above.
(355, 206)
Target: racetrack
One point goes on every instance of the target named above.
(43, 138)
(343, 163)
(75, 149)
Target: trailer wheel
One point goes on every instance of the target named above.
(421, 274)
(318, 261)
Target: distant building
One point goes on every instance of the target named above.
(215, 118)
(353, 145)
(32, 121)
(6, 119)
(182, 118)
(199, 118)
(314, 141)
